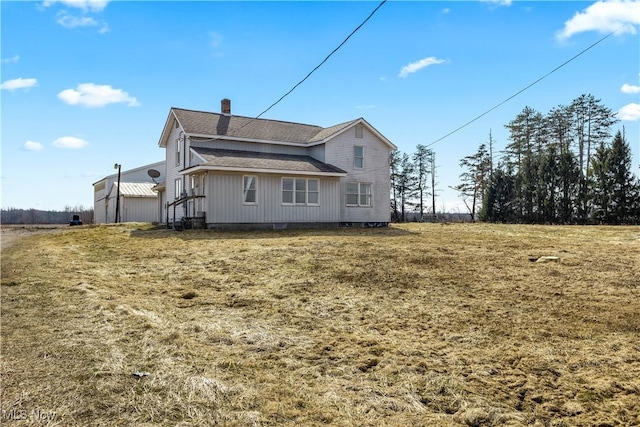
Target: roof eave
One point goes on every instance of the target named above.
(201, 168)
(356, 122)
(236, 138)
(166, 130)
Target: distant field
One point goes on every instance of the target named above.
(414, 325)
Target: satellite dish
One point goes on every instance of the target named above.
(153, 174)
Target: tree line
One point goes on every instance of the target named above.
(563, 167)
(413, 183)
(36, 216)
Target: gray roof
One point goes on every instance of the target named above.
(236, 159)
(214, 124)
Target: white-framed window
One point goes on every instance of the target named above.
(203, 179)
(178, 188)
(193, 183)
(359, 131)
(300, 191)
(250, 190)
(358, 194)
(178, 152)
(358, 156)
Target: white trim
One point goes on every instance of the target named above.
(354, 157)
(255, 183)
(294, 190)
(359, 195)
(193, 151)
(253, 170)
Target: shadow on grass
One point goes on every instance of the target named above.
(163, 233)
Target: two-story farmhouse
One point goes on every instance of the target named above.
(238, 171)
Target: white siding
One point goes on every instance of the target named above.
(138, 209)
(339, 152)
(173, 172)
(251, 146)
(225, 204)
(317, 152)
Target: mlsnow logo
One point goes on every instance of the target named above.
(34, 415)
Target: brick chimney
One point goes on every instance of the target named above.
(225, 106)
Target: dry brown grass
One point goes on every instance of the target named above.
(415, 325)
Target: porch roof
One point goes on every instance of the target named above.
(221, 159)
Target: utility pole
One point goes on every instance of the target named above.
(117, 166)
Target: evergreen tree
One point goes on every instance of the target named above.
(499, 203)
(592, 123)
(473, 187)
(521, 153)
(394, 173)
(422, 170)
(622, 180)
(405, 184)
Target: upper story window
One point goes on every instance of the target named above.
(358, 157)
(178, 141)
(300, 191)
(358, 194)
(359, 130)
(249, 190)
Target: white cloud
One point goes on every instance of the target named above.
(32, 146)
(70, 142)
(626, 88)
(104, 28)
(14, 59)
(19, 83)
(85, 5)
(418, 65)
(604, 16)
(92, 95)
(630, 112)
(69, 21)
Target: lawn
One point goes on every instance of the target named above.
(412, 325)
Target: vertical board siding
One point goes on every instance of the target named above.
(173, 172)
(138, 209)
(225, 204)
(339, 152)
(251, 146)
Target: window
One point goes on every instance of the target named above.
(193, 185)
(359, 131)
(300, 191)
(178, 187)
(178, 152)
(249, 191)
(358, 156)
(358, 194)
(203, 178)
(313, 191)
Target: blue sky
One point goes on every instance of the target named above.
(86, 84)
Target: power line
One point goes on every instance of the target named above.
(317, 66)
(527, 87)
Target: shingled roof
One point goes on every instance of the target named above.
(250, 160)
(214, 124)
